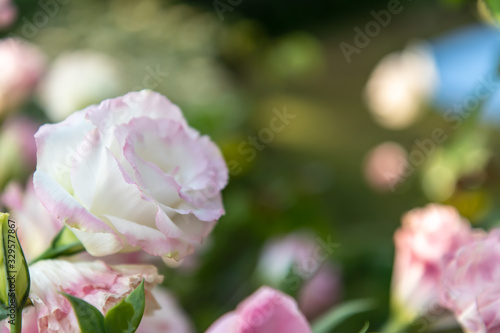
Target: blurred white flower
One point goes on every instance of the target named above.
(400, 85)
(282, 254)
(78, 79)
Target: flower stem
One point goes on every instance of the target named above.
(17, 323)
(394, 326)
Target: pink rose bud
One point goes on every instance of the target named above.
(266, 311)
(21, 65)
(426, 237)
(131, 174)
(470, 286)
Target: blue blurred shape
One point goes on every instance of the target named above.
(468, 61)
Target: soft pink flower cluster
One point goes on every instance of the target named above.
(441, 261)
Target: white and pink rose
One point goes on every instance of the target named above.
(130, 174)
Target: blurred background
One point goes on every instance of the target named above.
(326, 136)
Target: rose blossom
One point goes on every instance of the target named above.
(130, 174)
(266, 311)
(21, 65)
(470, 285)
(427, 235)
(96, 283)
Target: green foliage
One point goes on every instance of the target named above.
(89, 318)
(493, 8)
(341, 313)
(64, 244)
(365, 328)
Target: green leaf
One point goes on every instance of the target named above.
(337, 315)
(4, 313)
(64, 243)
(365, 328)
(118, 318)
(126, 316)
(138, 300)
(89, 318)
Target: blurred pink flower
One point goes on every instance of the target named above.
(21, 130)
(130, 174)
(385, 166)
(36, 227)
(98, 284)
(470, 285)
(266, 311)
(321, 292)
(17, 149)
(426, 237)
(316, 280)
(8, 13)
(21, 65)
(169, 318)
